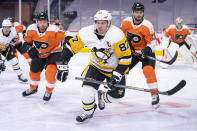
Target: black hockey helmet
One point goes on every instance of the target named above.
(138, 6)
(42, 15)
(11, 19)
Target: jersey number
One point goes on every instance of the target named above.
(123, 46)
(41, 45)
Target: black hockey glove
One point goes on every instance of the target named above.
(62, 71)
(31, 50)
(2, 65)
(115, 79)
(146, 51)
(66, 41)
(33, 53)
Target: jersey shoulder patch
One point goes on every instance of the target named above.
(53, 28)
(149, 25)
(128, 19)
(87, 32)
(185, 27)
(32, 27)
(114, 34)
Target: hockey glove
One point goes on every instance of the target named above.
(146, 51)
(62, 71)
(115, 79)
(2, 65)
(32, 52)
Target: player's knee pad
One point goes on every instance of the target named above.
(34, 76)
(50, 73)
(185, 52)
(88, 94)
(165, 42)
(190, 40)
(149, 73)
(14, 63)
(173, 47)
(116, 93)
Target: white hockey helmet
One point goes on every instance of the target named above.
(6, 22)
(103, 15)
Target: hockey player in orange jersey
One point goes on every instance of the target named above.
(140, 35)
(177, 37)
(43, 44)
(20, 29)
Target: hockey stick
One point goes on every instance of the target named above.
(170, 92)
(166, 62)
(129, 39)
(46, 53)
(154, 58)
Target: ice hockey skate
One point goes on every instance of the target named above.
(155, 101)
(84, 117)
(22, 79)
(29, 92)
(47, 96)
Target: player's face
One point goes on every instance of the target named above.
(6, 30)
(138, 15)
(179, 25)
(56, 21)
(101, 26)
(42, 24)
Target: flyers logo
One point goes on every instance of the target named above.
(178, 36)
(41, 45)
(133, 38)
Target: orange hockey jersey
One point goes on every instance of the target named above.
(45, 42)
(142, 34)
(175, 35)
(19, 28)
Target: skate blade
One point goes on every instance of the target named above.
(45, 102)
(79, 123)
(24, 82)
(156, 106)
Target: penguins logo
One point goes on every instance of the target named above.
(101, 55)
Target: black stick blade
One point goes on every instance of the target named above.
(178, 87)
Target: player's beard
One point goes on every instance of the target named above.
(42, 28)
(138, 20)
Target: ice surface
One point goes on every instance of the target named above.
(133, 113)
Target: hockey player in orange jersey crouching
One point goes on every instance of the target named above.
(177, 38)
(43, 44)
(140, 35)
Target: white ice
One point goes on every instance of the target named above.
(133, 113)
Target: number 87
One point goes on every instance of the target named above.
(123, 46)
